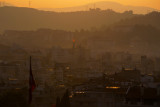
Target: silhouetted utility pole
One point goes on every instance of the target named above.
(2, 3)
(29, 3)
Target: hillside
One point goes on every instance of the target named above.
(18, 18)
(139, 39)
(148, 19)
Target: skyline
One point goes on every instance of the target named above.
(71, 3)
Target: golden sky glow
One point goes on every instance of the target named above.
(71, 3)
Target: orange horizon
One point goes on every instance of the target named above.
(71, 3)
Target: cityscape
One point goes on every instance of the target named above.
(94, 57)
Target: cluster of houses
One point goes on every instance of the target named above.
(128, 88)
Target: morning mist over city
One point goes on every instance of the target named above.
(79, 53)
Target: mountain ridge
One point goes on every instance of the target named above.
(104, 5)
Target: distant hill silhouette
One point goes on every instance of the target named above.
(148, 19)
(105, 5)
(18, 18)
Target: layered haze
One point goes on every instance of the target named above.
(138, 7)
(104, 5)
(109, 21)
(18, 18)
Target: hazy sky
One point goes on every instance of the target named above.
(70, 3)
